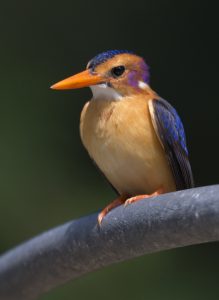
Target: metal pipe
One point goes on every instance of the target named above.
(80, 246)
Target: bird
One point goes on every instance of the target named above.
(135, 137)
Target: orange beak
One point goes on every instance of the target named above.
(80, 80)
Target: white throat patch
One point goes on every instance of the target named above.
(105, 92)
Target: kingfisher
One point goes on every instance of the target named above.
(134, 136)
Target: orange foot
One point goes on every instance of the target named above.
(121, 199)
(140, 197)
(115, 203)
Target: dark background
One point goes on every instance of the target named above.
(46, 177)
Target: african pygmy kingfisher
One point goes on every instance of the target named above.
(135, 137)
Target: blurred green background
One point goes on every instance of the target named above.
(46, 177)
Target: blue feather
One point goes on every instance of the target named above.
(173, 125)
(104, 56)
(170, 131)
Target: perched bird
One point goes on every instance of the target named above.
(135, 137)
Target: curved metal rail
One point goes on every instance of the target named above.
(81, 246)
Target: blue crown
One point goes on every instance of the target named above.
(102, 57)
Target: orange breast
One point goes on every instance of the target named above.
(120, 137)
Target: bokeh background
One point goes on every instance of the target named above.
(46, 177)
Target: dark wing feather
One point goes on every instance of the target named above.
(170, 132)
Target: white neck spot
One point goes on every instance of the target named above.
(105, 92)
(142, 85)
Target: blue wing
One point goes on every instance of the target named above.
(170, 132)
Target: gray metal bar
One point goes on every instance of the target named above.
(80, 246)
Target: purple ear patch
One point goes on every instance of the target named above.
(132, 79)
(141, 74)
(146, 74)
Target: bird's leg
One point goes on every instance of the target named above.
(140, 197)
(123, 199)
(118, 201)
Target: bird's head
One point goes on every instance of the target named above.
(113, 74)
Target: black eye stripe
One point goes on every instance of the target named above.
(118, 71)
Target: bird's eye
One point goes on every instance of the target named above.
(118, 71)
